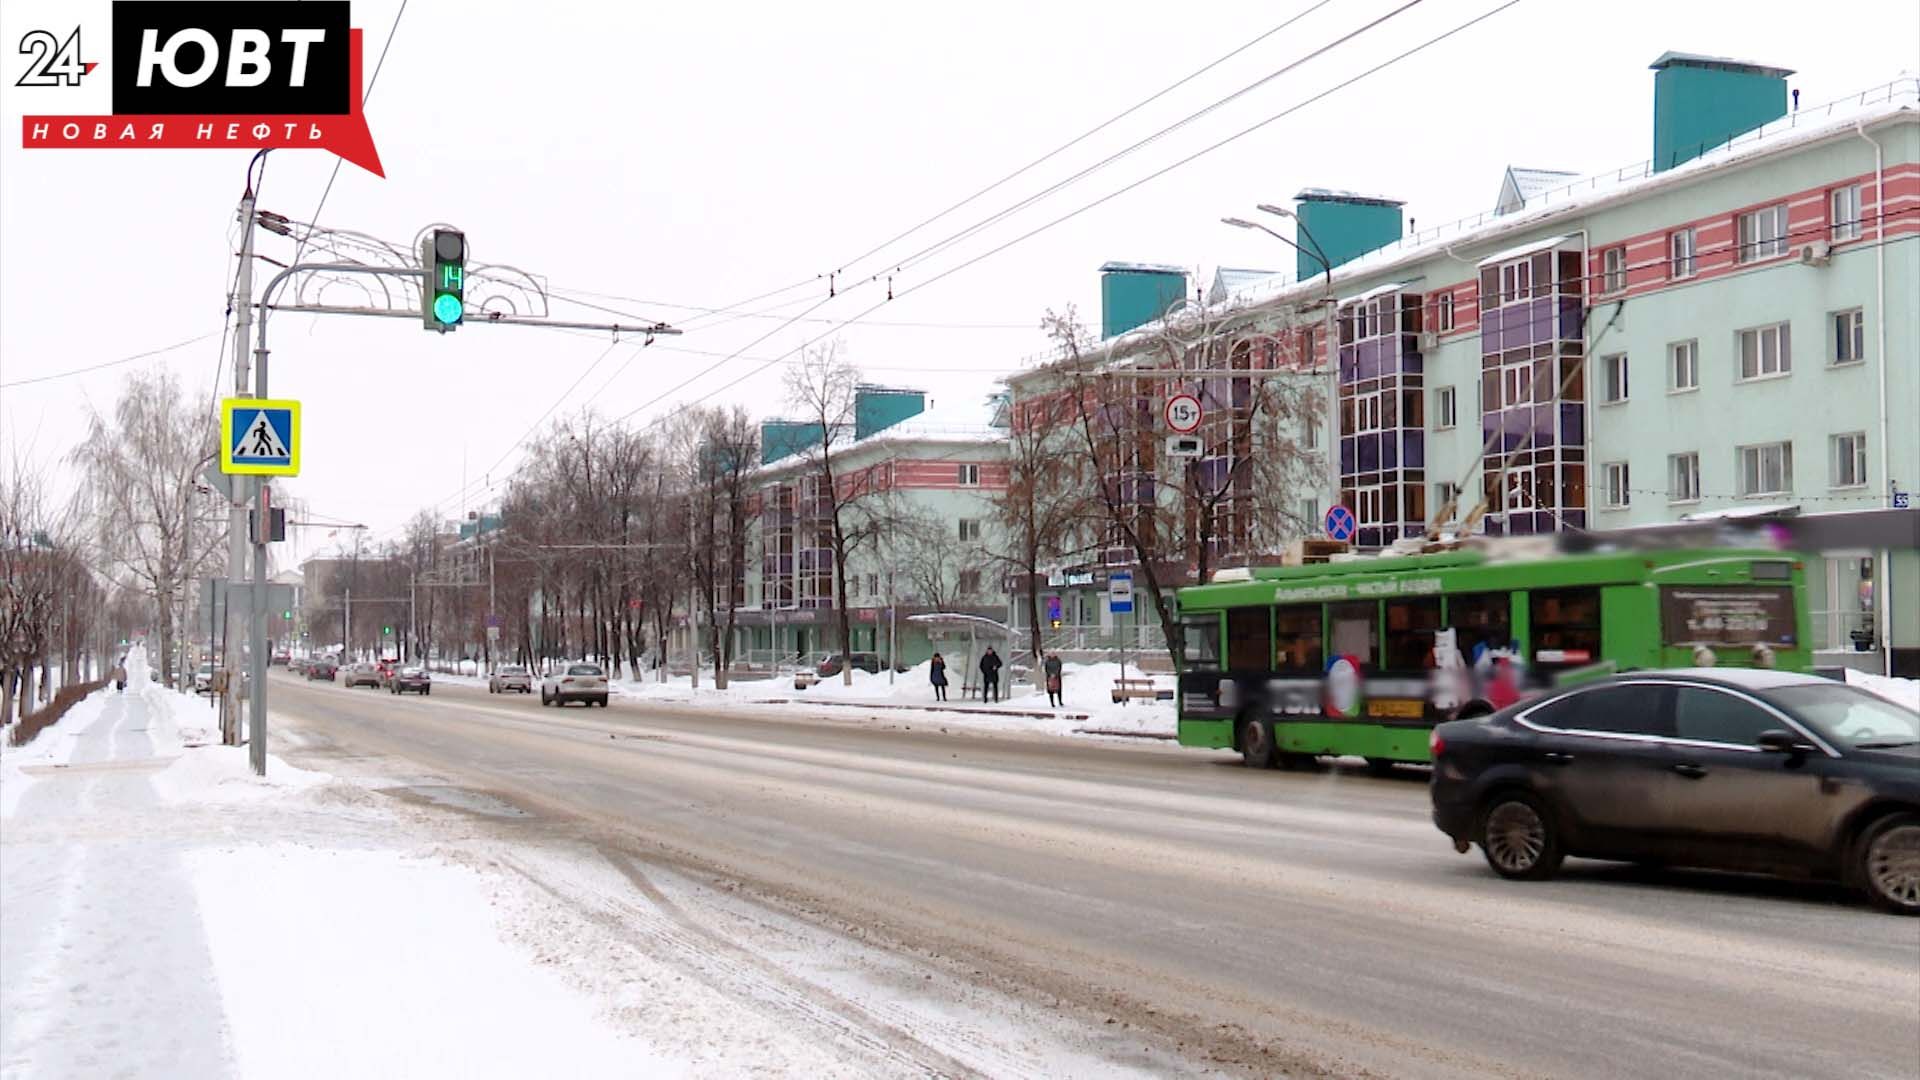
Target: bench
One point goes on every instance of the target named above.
(1125, 690)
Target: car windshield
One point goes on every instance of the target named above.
(412, 672)
(513, 669)
(583, 669)
(1850, 716)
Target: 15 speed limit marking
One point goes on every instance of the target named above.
(1183, 414)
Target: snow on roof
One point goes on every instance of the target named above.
(1141, 268)
(1377, 290)
(1898, 99)
(1228, 278)
(1320, 194)
(1723, 63)
(1520, 184)
(1527, 248)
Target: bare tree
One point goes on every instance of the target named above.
(1036, 511)
(141, 468)
(847, 505)
(1173, 520)
(722, 448)
(931, 566)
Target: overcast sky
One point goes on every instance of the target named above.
(682, 156)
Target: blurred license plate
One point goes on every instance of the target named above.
(1406, 710)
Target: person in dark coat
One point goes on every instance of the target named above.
(990, 676)
(937, 672)
(120, 675)
(1055, 694)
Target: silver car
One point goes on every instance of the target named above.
(575, 682)
(513, 677)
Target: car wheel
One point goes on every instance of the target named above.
(1890, 863)
(1518, 838)
(1256, 744)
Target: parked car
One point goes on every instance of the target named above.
(411, 680)
(280, 658)
(361, 674)
(297, 665)
(575, 682)
(513, 677)
(322, 669)
(862, 661)
(203, 679)
(1748, 770)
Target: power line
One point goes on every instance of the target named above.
(365, 97)
(569, 295)
(107, 364)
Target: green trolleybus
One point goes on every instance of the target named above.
(1361, 658)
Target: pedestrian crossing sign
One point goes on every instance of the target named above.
(259, 437)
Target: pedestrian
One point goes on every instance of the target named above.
(1052, 667)
(990, 676)
(937, 673)
(120, 675)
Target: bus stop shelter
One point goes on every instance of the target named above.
(942, 626)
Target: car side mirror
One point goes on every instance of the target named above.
(1779, 741)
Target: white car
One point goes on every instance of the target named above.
(203, 679)
(575, 682)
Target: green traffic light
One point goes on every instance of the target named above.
(447, 308)
(387, 630)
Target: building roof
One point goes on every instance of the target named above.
(1320, 194)
(1718, 63)
(1521, 184)
(1228, 278)
(1142, 268)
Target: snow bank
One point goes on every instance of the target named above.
(223, 774)
(1902, 691)
(423, 986)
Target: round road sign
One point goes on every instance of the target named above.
(1183, 414)
(1340, 522)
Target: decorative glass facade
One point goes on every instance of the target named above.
(1383, 461)
(1533, 391)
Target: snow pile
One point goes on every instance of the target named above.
(223, 774)
(1901, 691)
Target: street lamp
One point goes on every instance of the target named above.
(1332, 331)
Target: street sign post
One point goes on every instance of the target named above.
(1120, 592)
(1183, 414)
(259, 438)
(1340, 522)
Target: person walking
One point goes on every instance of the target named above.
(1051, 666)
(120, 675)
(990, 676)
(937, 673)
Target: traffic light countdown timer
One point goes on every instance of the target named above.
(443, 301)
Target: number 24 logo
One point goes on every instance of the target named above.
(54, 63)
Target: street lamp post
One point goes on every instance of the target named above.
(1331, 418)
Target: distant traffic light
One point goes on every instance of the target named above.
(386, 631)
(443, 300)
(287, 614)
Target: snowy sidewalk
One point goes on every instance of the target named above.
(165, 913)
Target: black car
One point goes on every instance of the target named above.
(1744, 770)
(321, 669)
(410, 680)
(862, 661)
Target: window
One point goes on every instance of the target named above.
(1481, 619)
(1296, 640)
(1844, 221)
(1566, 627)
(1443, 408)
(1444, 492)
(1200, 643)
(1613, 476)
(1766, 469)
(1683, 365)
(1680, 250)
(1410, 627)
(1849, 337)
(1683, 477)
(1313, 435)
(969, 476)
(1247, 638)
(1763, 233)
(1443, 312)
(1850, 459)
(1366, 412)
(969, 529)
(873, 584)
(1367, 510)
(1613, 270)
(1356, 629)
(1626, 709)
(1516, 282)
(969, 582)
(1716, 716)
(1765, 350)
(1308, 511)
(1613, 370)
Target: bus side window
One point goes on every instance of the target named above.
(1247, 638)
(1565, 626)
(1481, 619)
(1355, 630)
(1410, 627)
(1296, 640)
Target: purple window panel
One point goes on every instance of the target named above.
(1416, 449)
(1390, 450)
(1346, 455)
(1369, 453)
(1572, 319)
(1573, 424)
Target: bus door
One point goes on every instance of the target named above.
(1299, 661)
(1353, 653)
(1249, 651)
(1482, 645)
(1407, 692)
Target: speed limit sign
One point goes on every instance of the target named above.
(1183, 414)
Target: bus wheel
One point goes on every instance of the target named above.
(1380, 766)
(1256, 744)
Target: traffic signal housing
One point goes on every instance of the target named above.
(443, 296)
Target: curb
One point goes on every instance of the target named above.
(1030, 714)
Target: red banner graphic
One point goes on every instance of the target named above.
(346, 135)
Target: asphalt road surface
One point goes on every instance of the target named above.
(1248, 923)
